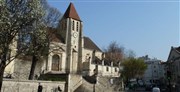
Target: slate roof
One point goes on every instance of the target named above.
(53, 36)
(178, 49)
(89, 44)
(71, 12)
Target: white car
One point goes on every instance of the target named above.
(155, 89)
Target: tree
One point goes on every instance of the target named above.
(52, 15)
(38, 47)
(40, 43)
(16, 16)
(130, 54)
(133, 68)
(114, 53)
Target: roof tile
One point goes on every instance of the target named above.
(71, 12)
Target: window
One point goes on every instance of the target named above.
(55, 63)
(115, 69)
(107, 68)
(77, 27)
(73, 25)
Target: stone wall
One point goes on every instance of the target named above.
(22, 69)
(30, 86)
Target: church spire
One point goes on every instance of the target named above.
(71, 12)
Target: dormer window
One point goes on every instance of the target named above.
(73, 25)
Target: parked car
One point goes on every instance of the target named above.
(163, 88)
(140, 83)
(148, 87)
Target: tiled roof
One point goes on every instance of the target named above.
(89, 44)
(71, 12)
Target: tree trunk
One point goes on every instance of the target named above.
(33, 66)
(1, 75)
(2, 68)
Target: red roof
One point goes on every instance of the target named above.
(71, 12)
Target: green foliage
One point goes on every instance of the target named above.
(20, 16)
(133, 68)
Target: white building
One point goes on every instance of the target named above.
(155, 70)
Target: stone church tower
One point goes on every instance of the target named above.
(71, 32)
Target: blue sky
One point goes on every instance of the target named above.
(148, 27)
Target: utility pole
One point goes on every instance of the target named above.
(169, 85)
(169, 79)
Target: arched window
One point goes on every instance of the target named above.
(55, 63)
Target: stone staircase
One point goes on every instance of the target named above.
(76, 81)
(102, 85)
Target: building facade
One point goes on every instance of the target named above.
(173, 65)
(155, 71)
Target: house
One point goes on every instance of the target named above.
(155, 70)
(173, 64)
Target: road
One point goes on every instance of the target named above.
(137, 90)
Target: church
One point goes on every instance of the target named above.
(70, 54)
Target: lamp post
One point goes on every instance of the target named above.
(121, 68)
(95, 78)
(94, 87)
(169, 79)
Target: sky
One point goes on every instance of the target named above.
(148, 27)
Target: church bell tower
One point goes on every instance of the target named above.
(73, 38)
